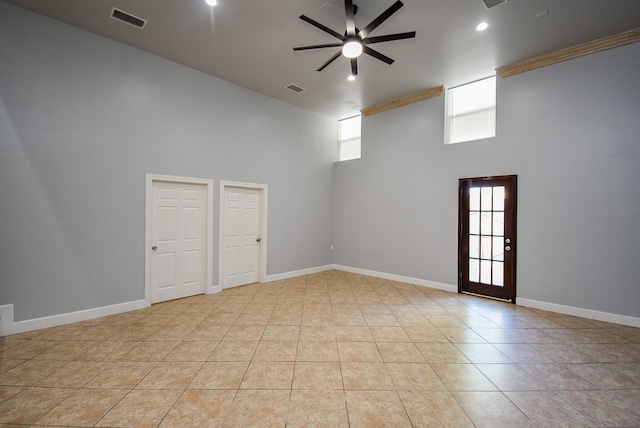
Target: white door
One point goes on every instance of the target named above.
(178, 234)
(241, 236)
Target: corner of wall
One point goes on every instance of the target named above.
(400, 278)
(293, 274)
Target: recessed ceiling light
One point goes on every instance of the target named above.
(211, 2)
(351, 78)
(482, 26)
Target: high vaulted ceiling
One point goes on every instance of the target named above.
(250, 42)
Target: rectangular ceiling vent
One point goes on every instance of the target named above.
(490, 4)
(128, 18)
(295, 88)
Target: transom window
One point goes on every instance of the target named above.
(471, 111)
(349, 138)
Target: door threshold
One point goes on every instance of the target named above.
(488, 297)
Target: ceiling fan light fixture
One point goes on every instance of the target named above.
(351, 78)
(352, 47)
(355, 42)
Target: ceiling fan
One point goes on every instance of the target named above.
(354, 42)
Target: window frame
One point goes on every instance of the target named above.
(448, 114)
(357, 139)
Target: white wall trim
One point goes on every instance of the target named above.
(400, 278)
(9, 326)
(208, 287)
(580, 312)
(214, 289)
(6, 319)
(536, 304)
(293, 274)
(264, 198)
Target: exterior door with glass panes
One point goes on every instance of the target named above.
(487, 237)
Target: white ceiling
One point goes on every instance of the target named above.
(249, 42)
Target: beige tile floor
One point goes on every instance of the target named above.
(331, 349)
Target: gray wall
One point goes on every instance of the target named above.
(82, 119)
(571, 132)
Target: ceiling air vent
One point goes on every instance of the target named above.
(490, 4)
(295, 88)
(128, 18)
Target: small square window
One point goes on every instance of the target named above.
(349, 138)
(471, 111)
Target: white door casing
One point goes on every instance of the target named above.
(178, 237)
(242, 233)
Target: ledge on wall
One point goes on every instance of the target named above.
(403, 101)
(595, 46)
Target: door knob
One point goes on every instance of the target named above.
(154, 248)
(259, 240)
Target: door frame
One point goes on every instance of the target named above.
(207, 246)
(263, 192)
(464, 244)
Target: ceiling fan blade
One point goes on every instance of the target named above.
(354, 67)
(328, 45)
(389, 37)
(380, 19)
(333, 58)
(377, 55)
(351, 23)
(322, 27)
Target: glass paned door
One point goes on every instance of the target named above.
(487, 236)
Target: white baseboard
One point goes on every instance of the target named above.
(6, 319)
(213, 289)
(536, 304)
(399, 278)
(293, 274)
(580, 312)
(9, 326)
